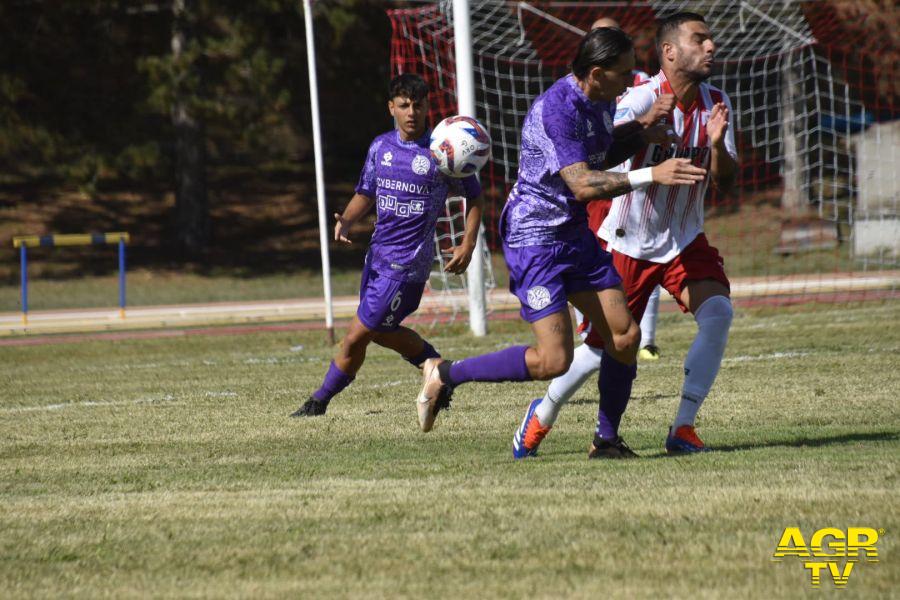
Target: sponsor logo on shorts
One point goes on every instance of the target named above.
(420, 165)
(590, 129)
(831, 551)
(539, 297)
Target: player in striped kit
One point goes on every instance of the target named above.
(598, 209)
(656, 234)
(568, 139)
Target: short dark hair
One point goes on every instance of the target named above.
(668, 27)
(408, 85)
(600, 47)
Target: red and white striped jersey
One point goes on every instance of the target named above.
(658, 222)
(639, 77)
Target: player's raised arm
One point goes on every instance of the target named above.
(358, 207)
(722, 166)
(638, 125)
(587, 184)
(630, 138)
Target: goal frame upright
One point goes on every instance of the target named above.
(465, 94)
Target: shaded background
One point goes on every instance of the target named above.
(89, 139)
(187, 124)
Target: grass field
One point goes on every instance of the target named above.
(169, 468)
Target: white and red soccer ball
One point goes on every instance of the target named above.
(460, 146)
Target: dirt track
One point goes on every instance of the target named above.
(69, 326)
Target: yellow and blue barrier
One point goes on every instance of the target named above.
(23, 242)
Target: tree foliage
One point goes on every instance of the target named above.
(87, 88)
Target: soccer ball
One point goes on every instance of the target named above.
(460, 146)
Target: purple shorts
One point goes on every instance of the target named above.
(542, 277)
(385, 302)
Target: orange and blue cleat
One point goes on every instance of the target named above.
(684, 440)
(530, 434)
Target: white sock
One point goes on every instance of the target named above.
(705, 356)
(648, 322)
(585, 362)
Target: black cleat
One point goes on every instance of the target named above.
(311, 408)
(616, 448)
(445, 396)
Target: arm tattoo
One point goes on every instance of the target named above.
(607, 184)
(588, 184)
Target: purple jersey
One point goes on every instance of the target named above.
(563, 127)
(409, 194)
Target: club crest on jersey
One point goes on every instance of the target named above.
(420, 165)
(539, 297)
(607, 122)
(386, 158)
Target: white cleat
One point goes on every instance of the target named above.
(430, 397)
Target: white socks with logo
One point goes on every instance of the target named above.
(648, 321)
(700, 366)
(705, 356)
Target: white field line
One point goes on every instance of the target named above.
(168, 399)
(772, 356)
(376, 386)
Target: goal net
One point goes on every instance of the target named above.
(815, 212)
(447, 295)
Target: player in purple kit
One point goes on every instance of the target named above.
(401, 179)
(553, 257)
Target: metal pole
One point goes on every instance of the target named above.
(465, 96)
(23, 265)
(320, 173)
(122, 277)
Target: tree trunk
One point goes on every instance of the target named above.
(191, 205)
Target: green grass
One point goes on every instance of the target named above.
(168, 467)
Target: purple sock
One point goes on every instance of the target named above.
(335, 381)
(505, 365)
(615, 390)
(427, 352)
